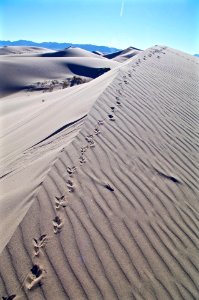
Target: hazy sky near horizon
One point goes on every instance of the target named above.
(117, 23)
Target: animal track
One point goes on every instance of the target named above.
(89, 138)
(100, 122)
(57, 224)
(60, 202)
(84, 149)
(40, 243)
(82, 159)
(111, 117)
(71, 170)
(112, 108)
(70, 186)
(118, 103)
(92, 144)
(96, 131)
(34, 277)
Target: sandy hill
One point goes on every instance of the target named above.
(19, 50)
(100, 185)
(19, 73)
(71, 52)
(123, 55)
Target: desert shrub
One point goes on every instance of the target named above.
(54, 81)
(77, 80)
(65, 84)
(50, 88)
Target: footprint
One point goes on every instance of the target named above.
(92, 144)
(119, 92)
(89, 138)
(111, 117)
(57, 224)
(9, 297)
(112, 108)
(83, 149)
(70, 186)
(82, 159)
(96, 131)
(40, 243)
(118, 103)
(71, 170)
(100, 122)
(34, 277)
(60, 202)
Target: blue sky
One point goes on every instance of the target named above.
(118, 23)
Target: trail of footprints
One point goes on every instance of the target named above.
(37, 272)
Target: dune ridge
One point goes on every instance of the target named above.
(22, 50)
(119, 206)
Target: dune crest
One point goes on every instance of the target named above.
(116, 215)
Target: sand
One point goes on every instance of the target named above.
(19, 73)
(123, 55)
(23, 50)
(100, 200)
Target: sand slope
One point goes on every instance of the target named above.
(122, 224)
(19, 73)
(71, 52)
(123, 55)
(22, 50)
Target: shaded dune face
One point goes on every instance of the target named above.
(116, 216)
(71, 52)
(18, 73)
(123, 55)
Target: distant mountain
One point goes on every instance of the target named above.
(59, 46)
(196, 55)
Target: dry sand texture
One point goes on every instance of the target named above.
(116, 214)
(33, 70)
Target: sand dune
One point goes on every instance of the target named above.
(19, 73)
(123, 55)
(71, 52)
(115, 214)
(22, 50)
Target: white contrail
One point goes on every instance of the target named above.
(122, 9)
